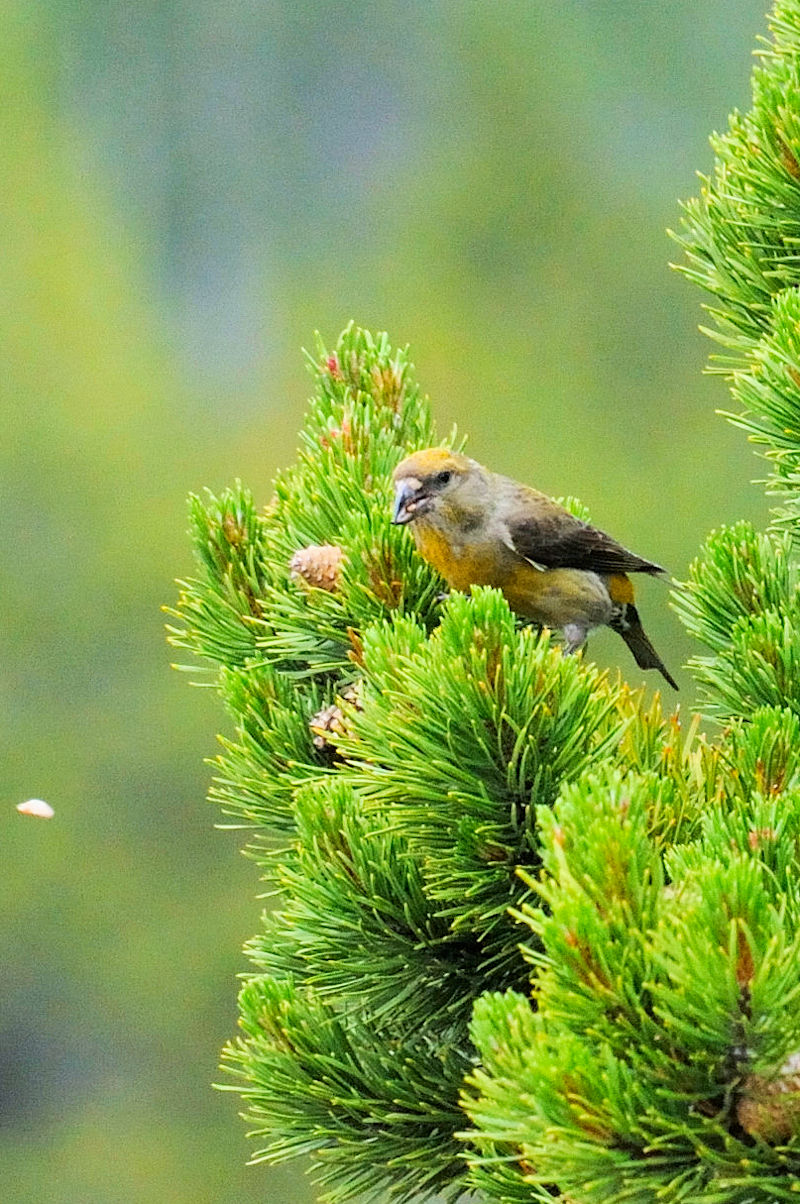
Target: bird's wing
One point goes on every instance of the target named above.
(548, 536)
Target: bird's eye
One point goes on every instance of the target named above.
(443, 478)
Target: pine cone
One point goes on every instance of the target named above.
(352, 695)
(328, 721)
(318, 565)
(332, 720)
(769, 1108)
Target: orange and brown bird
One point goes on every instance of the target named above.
(476, 527)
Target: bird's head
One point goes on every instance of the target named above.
(427, 480)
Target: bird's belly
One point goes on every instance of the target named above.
(555, 597)
(552, 597)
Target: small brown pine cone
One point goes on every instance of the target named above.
(318, 565)
(769, 1108)
(327, 722)
(352, 695)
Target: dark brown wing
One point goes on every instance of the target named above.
(551, 537)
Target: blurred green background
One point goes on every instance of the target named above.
(189, 190)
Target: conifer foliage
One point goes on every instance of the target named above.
(530, 938)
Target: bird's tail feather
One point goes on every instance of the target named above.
(629, 626)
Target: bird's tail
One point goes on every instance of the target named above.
(628, 624)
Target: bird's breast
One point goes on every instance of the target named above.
(462, 563)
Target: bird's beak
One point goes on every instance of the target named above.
(406, 499)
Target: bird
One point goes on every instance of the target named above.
(476, 527)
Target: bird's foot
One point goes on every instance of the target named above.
(574, 638)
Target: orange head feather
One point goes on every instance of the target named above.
(433, 460)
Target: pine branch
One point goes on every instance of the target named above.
(742, 600)
(393, 757)
(667, 981)
(741, 238)
(507, 892)
(374, 1103)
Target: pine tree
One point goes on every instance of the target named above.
(530, 938)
